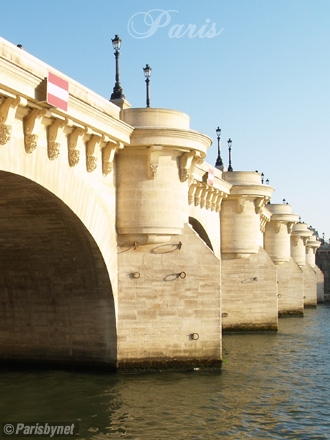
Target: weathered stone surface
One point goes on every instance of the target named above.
(323, 262)
(310, 286)
(249, 293)
(320, 284)
(172, 303)
(290, 289)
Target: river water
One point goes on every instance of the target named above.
(272, 386)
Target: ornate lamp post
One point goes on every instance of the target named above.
(117, 90)
(230, 168)
(147, 73)
(219, 163)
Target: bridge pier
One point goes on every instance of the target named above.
(299, 238)
(169, 305)
(311, 247)
(323, 264)
(289, 275)
(248, 275)
(168, 278)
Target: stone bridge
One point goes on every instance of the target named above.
(121, 246)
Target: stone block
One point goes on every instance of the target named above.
(168, 307)
(249, 293)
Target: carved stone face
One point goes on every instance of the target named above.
(74, 156)
(53, 150)
(5, 133)
(31, 141)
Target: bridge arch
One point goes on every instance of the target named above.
(57, 259)
(199, 229)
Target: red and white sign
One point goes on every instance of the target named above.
(210, 177)
(57, 92)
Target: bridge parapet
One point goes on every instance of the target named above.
(207, 189)
(206, 192)
(91, 123)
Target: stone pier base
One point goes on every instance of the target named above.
(320, 284)
(249, 293)
(310, 286)
(290, 289)
(169, 305)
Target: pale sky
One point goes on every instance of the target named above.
(258, 69)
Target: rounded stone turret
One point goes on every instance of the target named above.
(311, 247)
(299, 236)
(156, 117)
(278, 232)
(241, 213)
(153, 173)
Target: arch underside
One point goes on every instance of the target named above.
(199, 229)
(56, 301)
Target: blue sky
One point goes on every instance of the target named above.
(264, 79)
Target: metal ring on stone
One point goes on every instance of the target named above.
(182, 274)
(136, 275)
(194, 336)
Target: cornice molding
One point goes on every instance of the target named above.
(205, 196)
(58, 127)
(171, 137)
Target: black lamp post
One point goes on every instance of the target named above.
(262, 178)
(147, 73)
(219, 163)
(230, 168)
(117, 90)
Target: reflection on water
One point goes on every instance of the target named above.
(272, 386)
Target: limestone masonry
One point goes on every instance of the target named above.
(121, 247)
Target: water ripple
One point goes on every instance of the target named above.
(273, 386)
